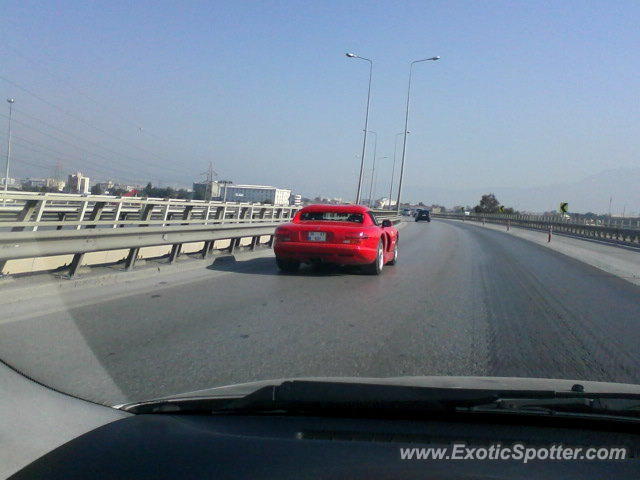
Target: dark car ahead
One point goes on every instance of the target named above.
(423, 215)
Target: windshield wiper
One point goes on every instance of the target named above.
(318, 397)
(586, 404)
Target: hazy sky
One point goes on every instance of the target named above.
(527, 93)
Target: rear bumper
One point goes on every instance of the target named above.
(326, 253)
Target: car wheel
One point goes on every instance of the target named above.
(395, 255)
(375, 267)
(289, 266)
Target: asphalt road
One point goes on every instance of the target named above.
(462, 300)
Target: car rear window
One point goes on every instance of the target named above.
(332, 217)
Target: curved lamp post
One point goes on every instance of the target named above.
(406, 125)
(366, 122)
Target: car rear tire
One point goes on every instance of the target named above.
(288, 266)
(395, 255)
(375, 268)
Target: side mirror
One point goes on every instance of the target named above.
(386, 223)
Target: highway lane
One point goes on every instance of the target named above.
(462, 300)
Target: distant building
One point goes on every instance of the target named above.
(78, 183)
(254, 194)
(109, 187)
(12, 182)
(105, 187)
(54, 184)
(295, 200)
(207, 190)
(125, 187)
(385, 202)
(34, 183)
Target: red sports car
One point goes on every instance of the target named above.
(338, 234)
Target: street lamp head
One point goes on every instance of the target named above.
(351, 55)
(426, 60)
(10, 100)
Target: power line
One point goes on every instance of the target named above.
(69, 162)
(72, 165)
(29, 162)
(66, 132)
(66, 81)
(76, 117)
(94, 169)
(163, 138)
(40, 149)
(137, 125)
(95, 154)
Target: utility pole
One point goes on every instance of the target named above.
(375, 149)
(57, 171)
(373, 182)
(6, 172)
(366, 122)
(207, 195)
(210, 173)
(393, 169)
(406, 126)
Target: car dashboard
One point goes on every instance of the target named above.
(174, 446)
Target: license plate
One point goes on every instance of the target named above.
(317, 236)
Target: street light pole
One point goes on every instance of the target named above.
(393, 168)
(406, 126)
(366, 122)
(375, 149)
(373, 181)
(6, 171)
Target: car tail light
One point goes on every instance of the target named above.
(355, 237)
(283, 236)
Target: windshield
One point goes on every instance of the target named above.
(203, 194)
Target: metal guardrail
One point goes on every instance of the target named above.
(29, 211)
(387, 214)
(17, 245)
(43, 225)
(620, 235)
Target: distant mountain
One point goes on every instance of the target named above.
(591, 193)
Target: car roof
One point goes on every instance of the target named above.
(336, 208)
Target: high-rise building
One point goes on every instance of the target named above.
(77, 183)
